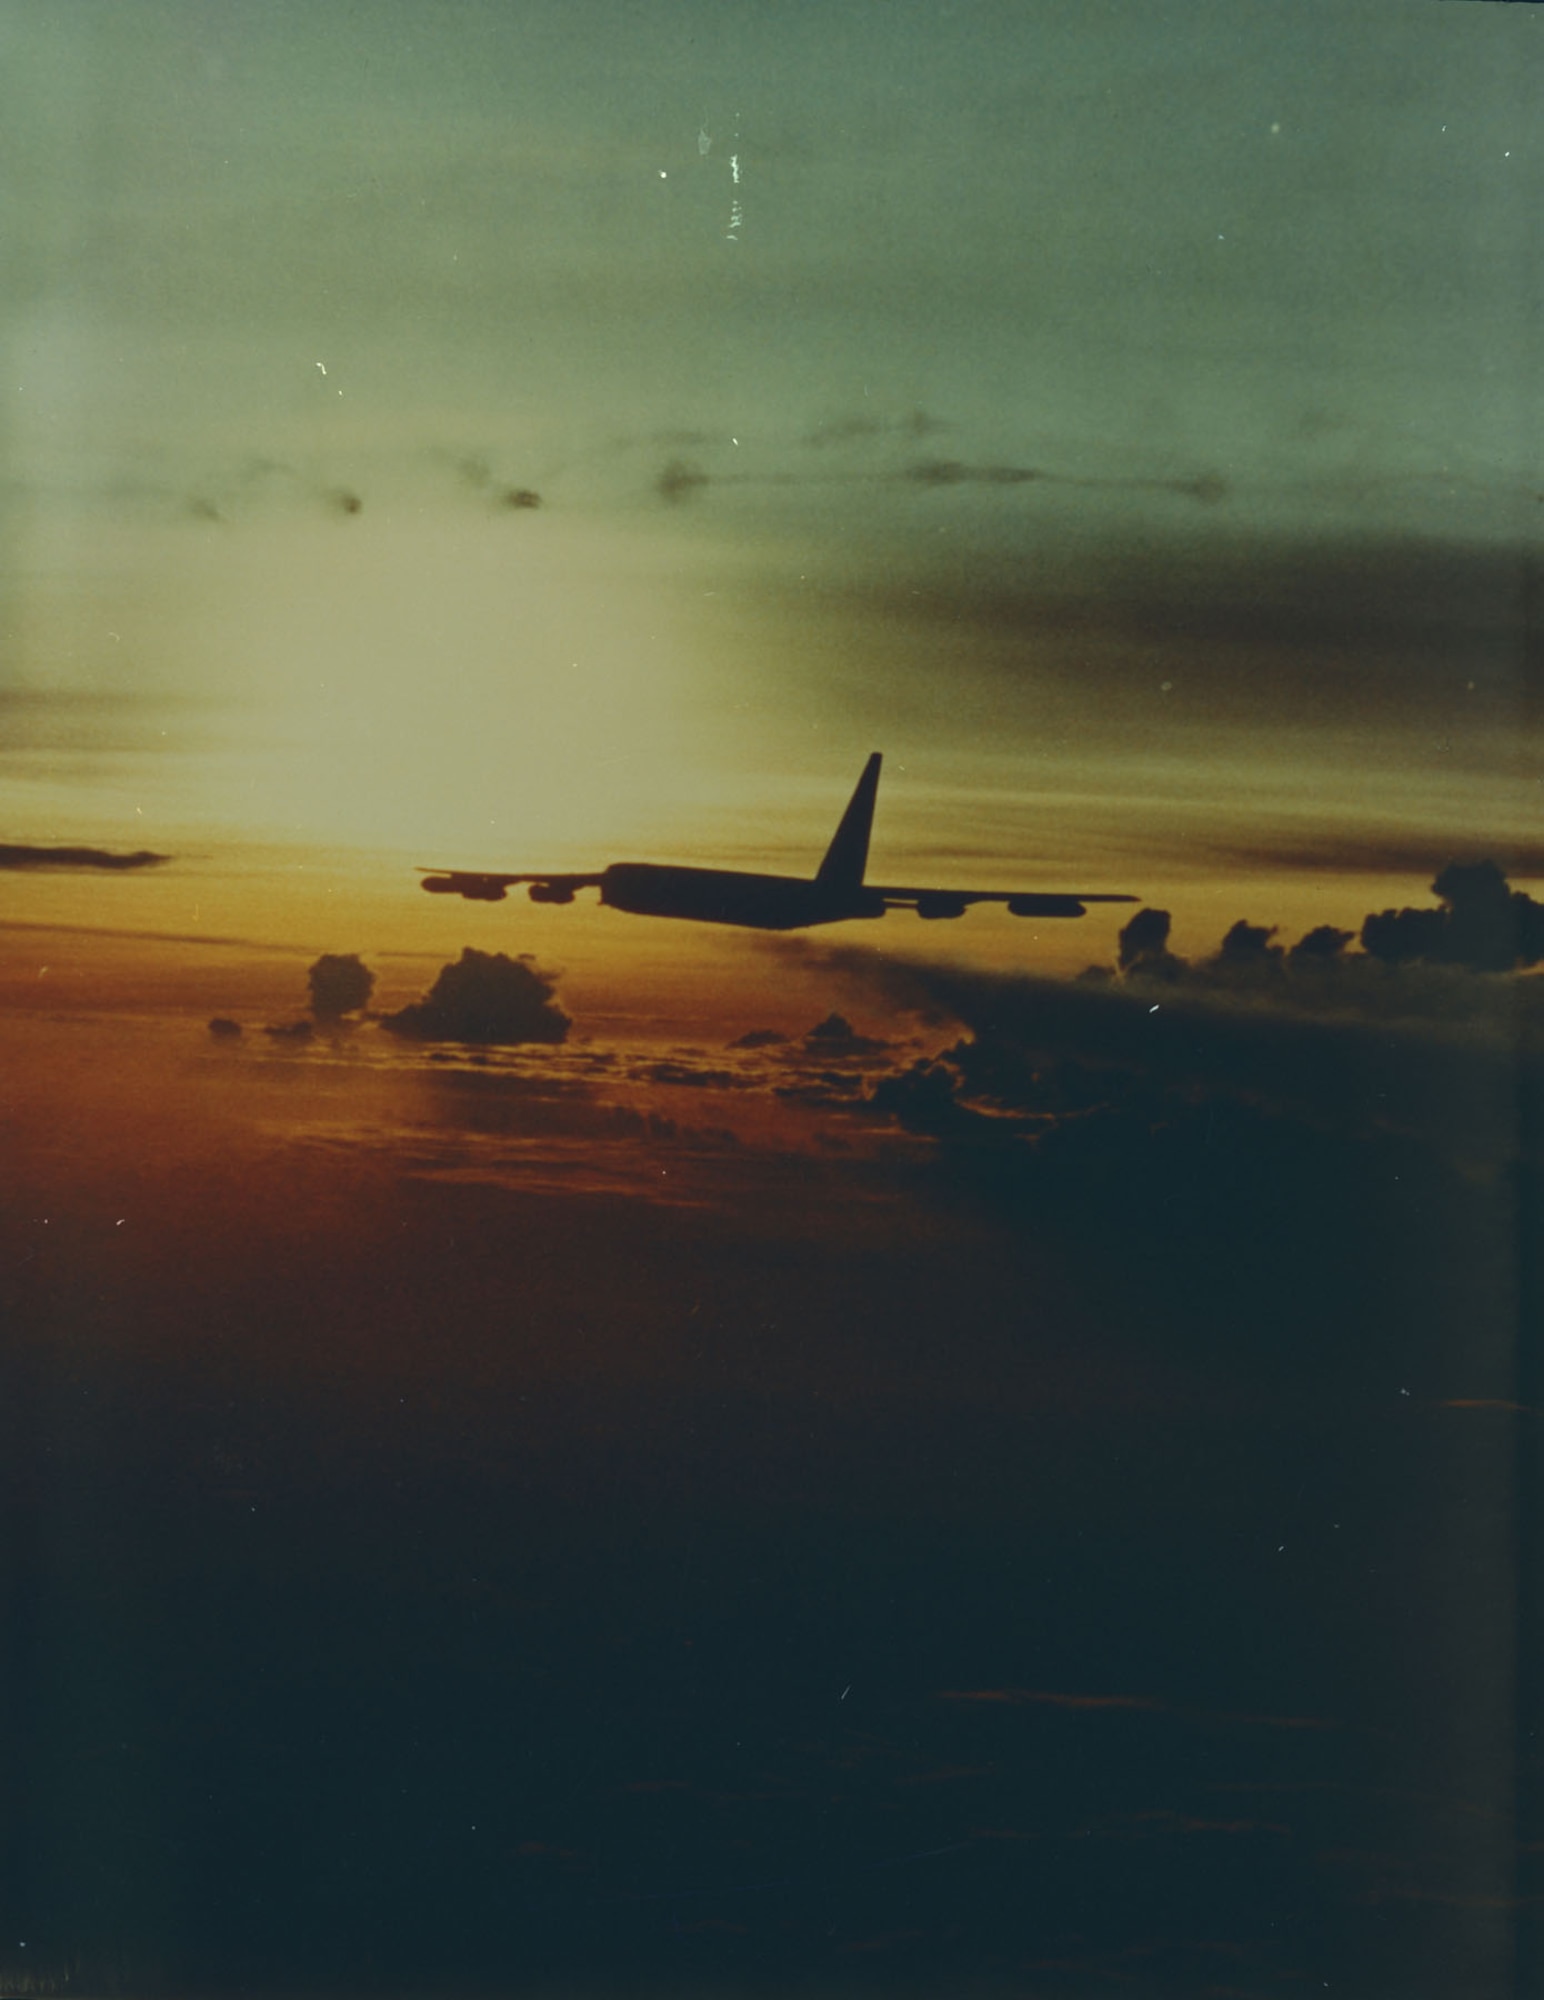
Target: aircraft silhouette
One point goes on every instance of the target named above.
(837, 895)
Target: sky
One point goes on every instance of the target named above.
(1121, 416)
(970, 1456)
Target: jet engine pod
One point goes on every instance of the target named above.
(934, 905)
(476, 888)
(551, 892)
(1045, 906)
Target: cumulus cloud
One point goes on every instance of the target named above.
(836, 1036)
(1414, 962)
(1144, 945)
(1483, 924)
(1322, 942)
(340, 984)
(485, 997)
(1249, 944)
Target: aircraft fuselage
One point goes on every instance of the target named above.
(725, 896)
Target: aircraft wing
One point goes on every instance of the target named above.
(936, 903)
(492, 888)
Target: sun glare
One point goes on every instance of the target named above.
(456, 688)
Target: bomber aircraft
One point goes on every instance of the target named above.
(837, 894)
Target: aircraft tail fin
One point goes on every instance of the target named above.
(847, 856)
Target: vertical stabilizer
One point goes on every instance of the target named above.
(847, 856)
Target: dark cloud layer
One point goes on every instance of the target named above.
(1381, 851)
(1267, 1095)
(1342, 620)
(1286, 1180)
(1283, 1090)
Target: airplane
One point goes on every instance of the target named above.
(836, 895)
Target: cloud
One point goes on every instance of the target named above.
(1384, 851)
(77, 858)
(1347, 625)
(836, 1036)
(1483, 924)
(1207, 487)
(260, 485)
(485, 997)
(1249, 944)
(475, 472)
(339, 985)
(930, 1099)
(268, 946)
(691, 1075)
(864, 427)
(680, 478)
(1322, 942)
(1414, 962)
(1144, 945)
(1252, 1112)
(1345, 1044)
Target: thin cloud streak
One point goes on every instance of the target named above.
(78, 858)
(287, 948)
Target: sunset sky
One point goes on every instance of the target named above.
(875, 1461)
(1124, 417)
